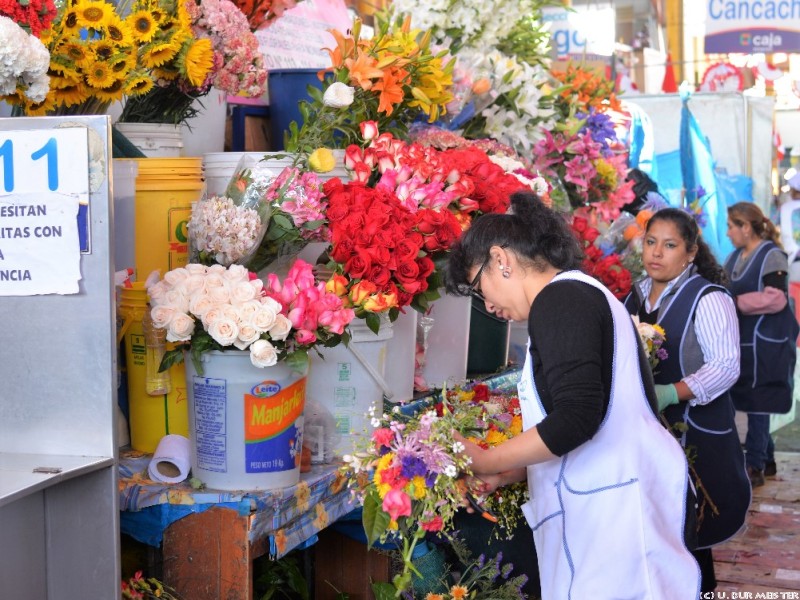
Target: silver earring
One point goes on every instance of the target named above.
(506, 273)
(500, 266)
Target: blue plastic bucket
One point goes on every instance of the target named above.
(287, 87)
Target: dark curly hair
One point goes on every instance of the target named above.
(537, 235)
(707, 265)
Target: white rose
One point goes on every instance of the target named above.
(177, 299)
(264, 318)
(181, 328)
(216, 270)
(219, 294)
(176, 276)
(157, 292)
(242, 292)
(200, 304)
(195, 269)
(236, 273)
(338, 95)
(247, 310)
(194, 283)
(229, 312)
(162, 315)
(263, 354)
(224, 331)
(247, 335)
(272, 303)
(280, 330)
(258, 285)
(211, 316)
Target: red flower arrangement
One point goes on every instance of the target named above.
(381, 251)
(608, 269)
(34, 16)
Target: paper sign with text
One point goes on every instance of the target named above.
(44, 186)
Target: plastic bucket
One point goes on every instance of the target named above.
(488, 341)
(219, 167)
(245, 422)
(150, 417)
(165, 191)
(155, 140)
(287, 87)
(124, 193)
(348, 380)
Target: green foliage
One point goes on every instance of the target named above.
(373, 518)
(276, 579)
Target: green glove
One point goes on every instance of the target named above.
(667, 395)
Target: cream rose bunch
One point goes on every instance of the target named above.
(206, 308)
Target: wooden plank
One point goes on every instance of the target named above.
(346, 565)
(755, 574)
(207, 556)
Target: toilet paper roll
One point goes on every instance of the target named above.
(172, 459)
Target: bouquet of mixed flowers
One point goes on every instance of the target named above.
(33, 16)
(190, 47)
(407, 477)
(489, 418)
(390, 79)
(223, 232)
(217, 308)
(653, 338)
(606, 267)
(263, 12)
(584, 90)
(23, 64)
(291, 206)
(93, 61)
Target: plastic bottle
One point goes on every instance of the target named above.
(156, 384)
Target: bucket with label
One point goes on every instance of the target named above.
(155, 140)
(348, 380)
(245, 422)
(151, 417)
(165, 191)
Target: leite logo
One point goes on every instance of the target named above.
(265, 389)
(745, 39)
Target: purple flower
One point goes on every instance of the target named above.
(661, 354)
(412, 466)
(601, 129)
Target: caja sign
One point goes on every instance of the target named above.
(752, 26)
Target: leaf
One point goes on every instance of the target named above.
(283, 221)
(298, 361)
(383, 591)
(373, 518)
(171, 357)
(373, 322)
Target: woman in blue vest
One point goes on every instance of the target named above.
(684, 293)
(758, 271)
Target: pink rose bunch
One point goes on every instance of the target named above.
(314, 312)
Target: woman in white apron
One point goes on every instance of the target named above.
(608, 482)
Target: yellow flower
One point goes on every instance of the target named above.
(165, 74)
(93, 15)
(516, 425)
(196, 61)
(157, 54)
(432, 596)
(69, 24)
(321, 160)
(99, 75)
(119, 32)
(71, 94)
(143, 25)
(41, 108)
(659, 329)
(418, 485)
(138, 85)
(112, 93)
(392, 526)
(458, 592)
(77, 53)
(493, 438)
(103, 50)
(607, 172)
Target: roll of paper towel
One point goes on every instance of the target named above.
(172, 459)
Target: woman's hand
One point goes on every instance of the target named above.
(473, 451)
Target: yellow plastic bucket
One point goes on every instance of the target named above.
(165, 191)
(151, 417)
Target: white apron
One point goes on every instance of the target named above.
(608, 517)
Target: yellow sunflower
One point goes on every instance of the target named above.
(122, 64)
(93, 15)
(112, 93)
(103, 50)
(71, 95)
(59, 81)
(69, 23)
(144, 26)
(77, 53)
(99, 75)
(155, 55)
(119, 32)
(40, 109)
(138, 85)
(165, 74)
(196, 61)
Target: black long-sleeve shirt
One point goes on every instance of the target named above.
(572, 349)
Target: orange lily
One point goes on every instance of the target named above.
(391, 89)
(363, 70)
(344, 48)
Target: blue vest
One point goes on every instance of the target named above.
(768, 345)
(707, 432)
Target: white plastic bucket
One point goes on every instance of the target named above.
(155, 140)
(350, 379)
(245, 422)
(448, 341)
(124, 192)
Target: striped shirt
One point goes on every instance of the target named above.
(717, 328)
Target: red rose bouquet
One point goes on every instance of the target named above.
(606, 267)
